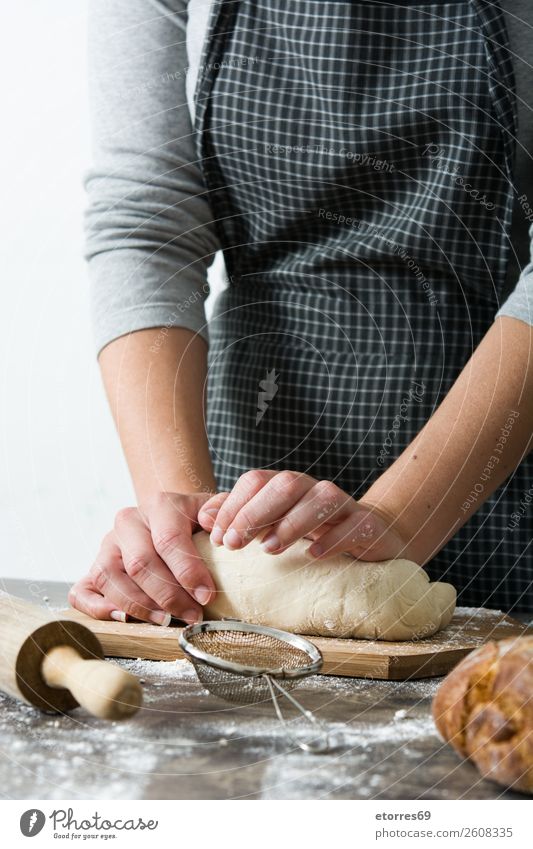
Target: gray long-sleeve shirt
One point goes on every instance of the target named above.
(150, 232)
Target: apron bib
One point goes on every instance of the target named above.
(358, 158)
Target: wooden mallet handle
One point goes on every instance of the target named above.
(56, 664)
(102, 688)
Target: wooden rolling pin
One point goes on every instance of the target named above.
(56, 665)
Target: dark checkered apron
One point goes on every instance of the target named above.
(358, 160)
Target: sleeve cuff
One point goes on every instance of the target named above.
(130, 292)
(163, 316)
(519, 304)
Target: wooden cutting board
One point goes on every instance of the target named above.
(469, 628)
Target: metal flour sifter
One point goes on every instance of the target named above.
(244, 664)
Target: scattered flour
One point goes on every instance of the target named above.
(184, 733)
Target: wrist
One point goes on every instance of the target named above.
(146, 489)
(406, 529)
(173, 467)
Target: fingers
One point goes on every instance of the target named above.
(258, 510)
(84, 597)
(208, 512)
(244, 490)
(323, 503)
(280, 497)
(171, 535)
(122, 597)
(108, 577)
(364, 534)
(146, 569)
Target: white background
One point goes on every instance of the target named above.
(62, 476)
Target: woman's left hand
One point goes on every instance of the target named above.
(282, 507)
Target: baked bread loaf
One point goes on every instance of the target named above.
(484, 708)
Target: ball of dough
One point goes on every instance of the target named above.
(335, 597)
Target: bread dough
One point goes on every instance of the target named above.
(336, 597)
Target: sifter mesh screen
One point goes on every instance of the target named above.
(251, 649)
(259, 652)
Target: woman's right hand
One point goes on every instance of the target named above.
(148, 567)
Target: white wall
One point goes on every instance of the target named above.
(62, 476)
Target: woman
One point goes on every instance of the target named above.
(365, 168)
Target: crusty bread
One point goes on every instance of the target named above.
(484, 708)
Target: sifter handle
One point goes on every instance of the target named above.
(104, 689)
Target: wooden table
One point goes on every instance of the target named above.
(185, 744)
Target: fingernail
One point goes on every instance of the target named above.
(270, 543)
(202, 594)
(315, 550)
(118, 615)
(211, 511)
(232, 539)
(191, 616)
(159, 617)
(217, 535)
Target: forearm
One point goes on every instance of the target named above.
(472, 443)
(154, 381)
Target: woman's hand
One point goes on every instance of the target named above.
(148, 566)
(283, 507)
